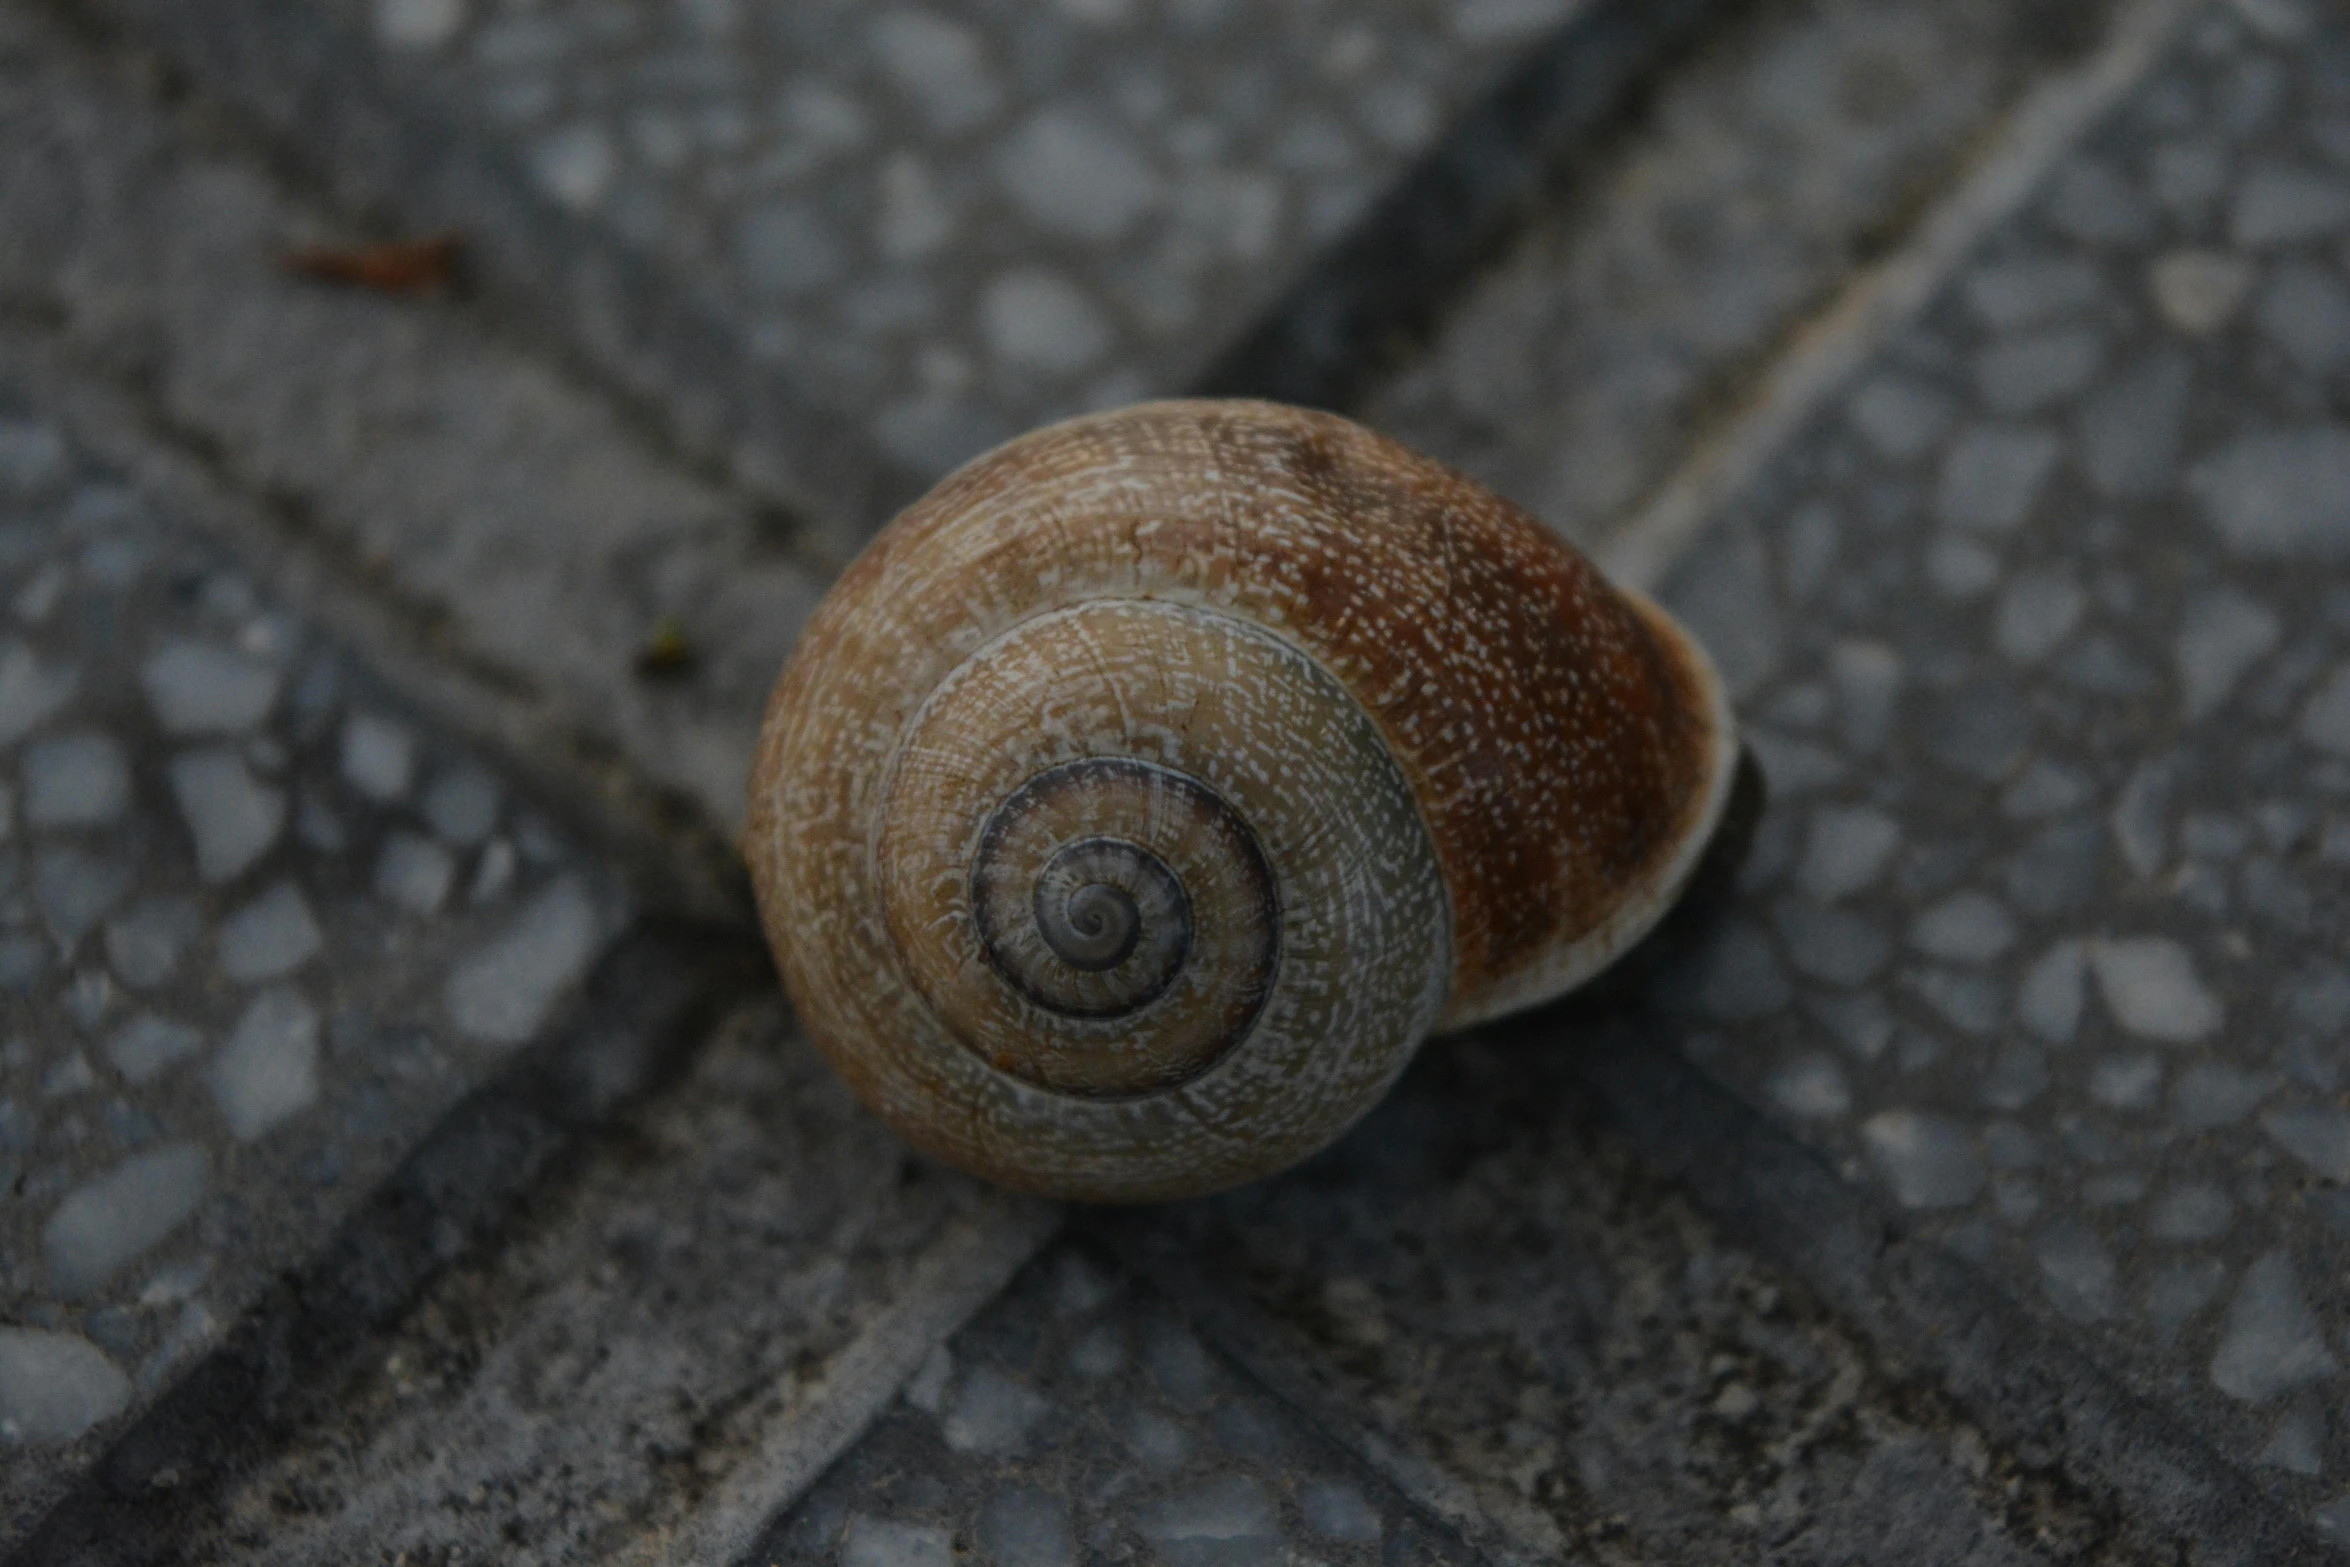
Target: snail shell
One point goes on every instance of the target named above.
(1145, 794)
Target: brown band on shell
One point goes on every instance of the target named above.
(1565, 743)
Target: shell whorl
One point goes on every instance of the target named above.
(1144, 795)
(1077, 906)
(1232, 795)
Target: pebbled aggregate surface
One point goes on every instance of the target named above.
(2038, 632)
(2039, 635)
(674, 1287)
(1079, 1419)
(1616, 332)
(1485, 1278)
(261, 926)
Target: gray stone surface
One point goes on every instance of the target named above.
(931, 226)
(2080, 1016)
(1623, 325)
(2034, 945)
(691, 1280)
(222, 1034)
(1548, 1344)
(501, 522)
(1080, 1419)
(280, 1372)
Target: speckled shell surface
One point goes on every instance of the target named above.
(1372, 753)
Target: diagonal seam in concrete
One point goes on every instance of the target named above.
(1887, 295)
(960, 1274)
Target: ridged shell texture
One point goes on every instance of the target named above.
(1144, 795)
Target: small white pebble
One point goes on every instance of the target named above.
(2150, 987)
(105, 1224)
(202, 688)
(503, 991)
(1929, 1160)
(76, 780)
(418, 24)
(414, 872)
(273, 935)
(379, 757)
(2198, 291)
(268, 1070)
(233, 817)
(494, 873)
(55, 1386)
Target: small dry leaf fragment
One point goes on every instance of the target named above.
(666, 653)
(404, 266)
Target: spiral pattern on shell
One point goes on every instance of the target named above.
(1144, 796)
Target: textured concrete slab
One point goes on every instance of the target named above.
(2026, 993)
(1079, 1419)
(707, 1298)
(2109, 1435)
(2035, 629)
(1934, 1318)
(846, 247)
(263, 927)
(505, 523)
(395, 447)
(1536, 1337)
(1627, 321)
(643, 1009)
